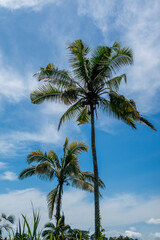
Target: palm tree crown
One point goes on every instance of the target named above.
(94, 84)
(66, 170)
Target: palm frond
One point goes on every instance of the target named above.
(52, 155)
(72, 94)
(51, 199)
(65, 145)
(35, 156)
(77, 57)
(76, 147)
(89, 176)
(119, 110)
(106, 61)
(121, 56)
(124, 109)
(11, 219)
(99, 58)
(39, 157)
(80, 183)
(4, 216)
(146, 122)
(45, 170)
(83, 116)
(52, 74)
(47, 92)
(70, 113)
(27, 172)
(115, 82)
(116, 45)
(71, 166)
(49, 225)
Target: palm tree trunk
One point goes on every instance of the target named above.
(58, 209)
(96, 186)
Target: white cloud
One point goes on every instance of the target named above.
(128, 209)
(156, 235)
(153, 221)
(16, 141)
(51, 108)
(14, 86)
(33, 4)
(6, 145)
(3, 165)
(48, 134)
(137, 25)
(132, 234)
(120, 210)
(21, 203)
(132, 228)
(10, 176)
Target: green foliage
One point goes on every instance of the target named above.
(91, 86)
(66, 170)
(5, 223)
(27, 231)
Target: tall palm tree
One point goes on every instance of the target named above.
(91, 86)
(66, 170)
(5, 223)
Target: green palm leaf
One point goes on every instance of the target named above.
(78, 52)
(80, 183)
(115, 82)
(77, 147)
(70, 113)
(51, 199)
(83, 116)
(28, 172)
(47, 92)
(146, 122)
(99, 59)
(89, 176)
(60, 78)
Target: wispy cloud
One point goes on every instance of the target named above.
(128, 209)
(132, 234)
(153, 221)
(123, 209)
(56, 109)
(156, 235)
(14, 86)
(16, 141)
(10, 176)
(33, 4)
(3, 165)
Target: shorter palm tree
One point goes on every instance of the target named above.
(56, 232)
(5, 223)
(66, 170)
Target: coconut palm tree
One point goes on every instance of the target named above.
(66, 170)
(91, 86)
(61, 230)
(5, 223)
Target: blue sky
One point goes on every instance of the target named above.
(35, 33)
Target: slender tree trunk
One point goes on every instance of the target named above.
(96, 186)
(58, 208)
